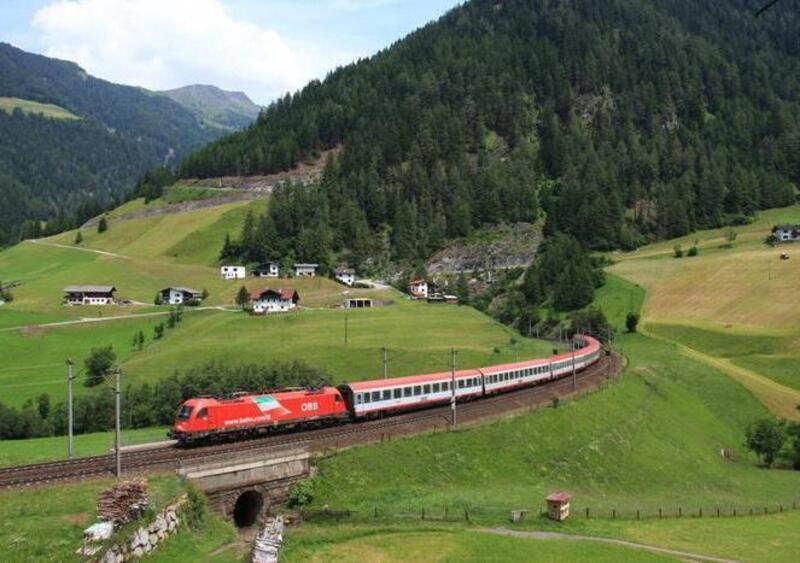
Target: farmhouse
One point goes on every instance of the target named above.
(345, 276)
(786, 233)
(179, 295)
(274, 300)
(305, 270)
(233, 272)
(89, 294)
(418, 289)
(267, 270)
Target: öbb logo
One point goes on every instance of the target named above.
(305, 407)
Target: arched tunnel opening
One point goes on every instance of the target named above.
(247, 510)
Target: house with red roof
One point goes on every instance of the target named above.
(278, 300)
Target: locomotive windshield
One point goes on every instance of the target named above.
(185, 412)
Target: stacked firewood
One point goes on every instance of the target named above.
(123, 502)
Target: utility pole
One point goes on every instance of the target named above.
(70, 377)
(453, 384)
(385, 363)
(574, 373)
(117, 437)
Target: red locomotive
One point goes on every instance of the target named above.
(243, 415)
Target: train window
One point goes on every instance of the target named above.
(366, 398)
(185, 412)
(426, 389)
(376, 396)
(359, 399)
(203, 413)
(387, 394)
(460, 383)
(445, 386)
(406, 391)
(435, 387)
(398, 393)
(417, 390)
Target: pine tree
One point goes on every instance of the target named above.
(78, 238)
(102, 225)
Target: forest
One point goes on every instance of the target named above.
(55, 174)
(620, 122)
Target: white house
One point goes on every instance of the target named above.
(345, 276)
(233, 272)
(89, 294)
(274, 300)
(179, 295)
(305, 270)
(418, 289)
(267, 270)
(787, 233)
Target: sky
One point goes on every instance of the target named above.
(262, 47)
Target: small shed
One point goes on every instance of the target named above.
(558, 506)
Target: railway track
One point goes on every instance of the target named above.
(323, 439)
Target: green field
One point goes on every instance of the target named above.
(51, 111)
(441, 544)
(733, 308)
(19, 452)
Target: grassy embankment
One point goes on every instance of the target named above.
(735, 309)
(46, 524)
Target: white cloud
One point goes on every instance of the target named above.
(161, 44)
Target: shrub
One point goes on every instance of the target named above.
(102, 226)
(692, 251)
(301, 494)
(196, 508)
(99, 364)
(765, 438)
(631, 321)
(678, 251)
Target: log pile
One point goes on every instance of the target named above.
(123, 502)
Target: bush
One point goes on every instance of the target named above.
(678, 251)
(631, 321)
(301, 494)
(692, 251)
(102, 226)
(765, 438)
(99, 364)
(196, 508)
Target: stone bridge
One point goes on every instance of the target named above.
(243, 487)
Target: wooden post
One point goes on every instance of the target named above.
(659, 513)
(376, 512)
(614, 513)
(637, 513)
(445, 513)
(680, 512)
(466, 515)
(587, 512)
(700, 513)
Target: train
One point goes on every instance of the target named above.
(242, 415)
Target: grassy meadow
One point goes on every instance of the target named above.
(51, 111)
(398, 543)
(737, 308)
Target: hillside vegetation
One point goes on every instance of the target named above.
(76, 142)
(215, 107)
(624, 120)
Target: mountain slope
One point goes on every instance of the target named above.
(215, 107)
(49, 168)
(623, 120)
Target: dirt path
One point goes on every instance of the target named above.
(68, 247)
(684, 555)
